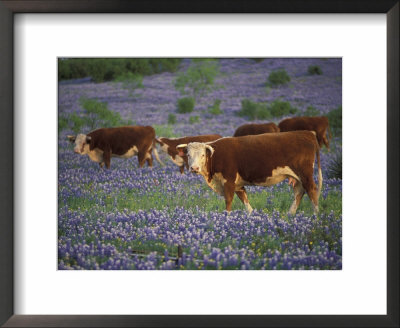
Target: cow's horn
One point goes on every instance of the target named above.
(181, 146)
(211, 149)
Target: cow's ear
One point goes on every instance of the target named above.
(88, 139)
(209, 150)
(159, 141)
(71, 138)
(182, 149)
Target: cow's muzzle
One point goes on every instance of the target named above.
(195, 169)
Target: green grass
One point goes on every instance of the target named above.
(279, 199)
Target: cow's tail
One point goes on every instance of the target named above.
(319, 172)
(155, 152)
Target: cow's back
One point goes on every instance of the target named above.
(254, 129)
(303, 123)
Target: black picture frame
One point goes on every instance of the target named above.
(10, 7)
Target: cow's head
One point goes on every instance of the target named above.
(197, 153)
(82, 142)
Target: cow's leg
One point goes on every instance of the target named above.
(243, 197)
(141, 157)
(107, 157)
(325, 139)
(298, 195)
(229, 192)
(101, 164)
(182, 169)
(149, 159)
(311, 189)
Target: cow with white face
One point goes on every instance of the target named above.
(124, 142)
(168, 146)
(229, 164)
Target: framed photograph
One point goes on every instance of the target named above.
(122, 204)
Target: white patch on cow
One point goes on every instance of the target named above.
(217, 182)
(96, 155)
(81, 147)
(164, 148)
(196, 152)
(177, 160)
(279, 174)
(131, 152)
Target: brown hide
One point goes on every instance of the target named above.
(117, 141)
(253, 129)
(318, 124)
(254, 157)
(172, 143)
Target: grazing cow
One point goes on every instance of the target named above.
(318, 124)
(168, 145)
(126, 141)
(229, 164)
(252, 129)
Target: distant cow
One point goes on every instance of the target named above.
(229, 164)
(168, 145)
(252, 129)
(318, 124)
(102, 144)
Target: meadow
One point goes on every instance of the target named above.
(155, 218)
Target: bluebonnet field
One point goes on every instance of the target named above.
(131, 218)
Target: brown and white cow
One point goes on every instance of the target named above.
(168, 145)
(229, 164)
(126, 141)
(253, 129)
(319, 124)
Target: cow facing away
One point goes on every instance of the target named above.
(229, 164)
(319, 124)
(168, 145)
(124, 142)
(253, 129)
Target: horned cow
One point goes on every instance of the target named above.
(168, 145)
(229, 164)
(126, 141)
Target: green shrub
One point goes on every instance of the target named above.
(171, 119)
(253, 110)
(186, 105)
(62, 123)
(130, 80)
(76, 122)
(280, 108)
(98, 114)
(215, 109)
(198, 78)
(107, 69)
(314, 70)
(164, 131)
(334, 170)
(311, 111)
(261, 111)
(335, 121)
(257, 60)
(278, 77)
(194, 119)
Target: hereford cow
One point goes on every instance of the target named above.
(318, 124)
(252, 129)
(126, 141)
(229, 164)
(168, 145)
